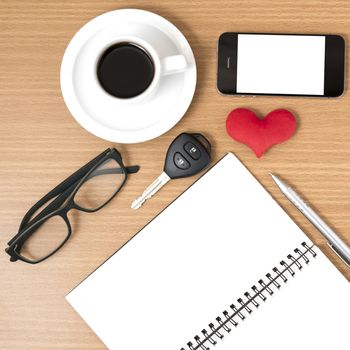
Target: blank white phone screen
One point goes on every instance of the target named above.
(281, 64)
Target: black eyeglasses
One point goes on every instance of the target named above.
(89, 189)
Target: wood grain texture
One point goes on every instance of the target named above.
(40, 144)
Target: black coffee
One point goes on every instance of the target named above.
(125, 70)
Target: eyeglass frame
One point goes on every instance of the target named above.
(62, 204)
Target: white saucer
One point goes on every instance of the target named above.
(118, 120)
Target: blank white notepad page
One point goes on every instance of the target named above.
(191, 262)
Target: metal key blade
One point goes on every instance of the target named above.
(154, 187)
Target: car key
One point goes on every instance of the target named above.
(187, 155)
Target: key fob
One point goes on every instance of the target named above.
(187, 155)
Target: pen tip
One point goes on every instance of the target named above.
(136, 204)
(278, 182)
(274, 177)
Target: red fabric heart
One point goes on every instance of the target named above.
(244, 126)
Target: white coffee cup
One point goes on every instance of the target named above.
(162, 65)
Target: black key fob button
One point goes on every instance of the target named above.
(180, 161)
(187, 155)
(192, 150)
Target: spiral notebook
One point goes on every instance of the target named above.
(223, 267)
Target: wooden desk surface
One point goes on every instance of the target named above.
(40, 144)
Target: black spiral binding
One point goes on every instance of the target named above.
(224, 322)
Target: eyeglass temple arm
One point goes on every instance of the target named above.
(132, 169)
(129, 170)
(55, 204)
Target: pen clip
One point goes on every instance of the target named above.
(339, 254)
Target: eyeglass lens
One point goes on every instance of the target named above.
(48, 236)
(101, 185)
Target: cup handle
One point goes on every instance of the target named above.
(173, 64)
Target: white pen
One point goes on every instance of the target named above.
(333, 240)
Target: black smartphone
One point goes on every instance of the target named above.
(281, 64)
